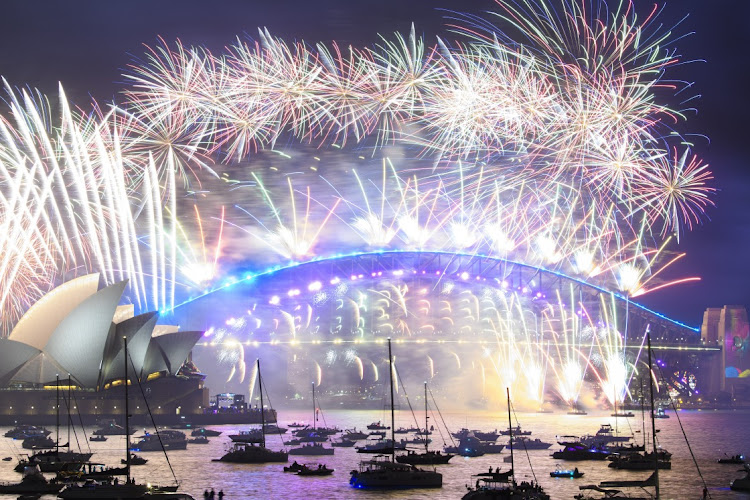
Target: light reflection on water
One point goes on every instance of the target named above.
(711, 433)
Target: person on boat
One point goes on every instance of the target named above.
(575, 471)
(705, 493)
(205, 493)
(212, 495)
(221, 494)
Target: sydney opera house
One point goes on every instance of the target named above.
(75, 333)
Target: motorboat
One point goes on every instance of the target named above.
(580, 451)
(429, 457)
(743, 483)
(89, 470)
(252, 453)
(295, 425)
(110, 428)
(343, 443)
(480, 435)
(320, 470)
(39, 442)
(402, 430)
(661, 413)
(734, 459)
(577, 411)
(604, 436)
(354, 435)
(613, 489)
(295, 467)
(33, 482)
(467, 447)
(24, 431)
(311, 449)
(641, 461)
(517, 431)
(383, 472)
(530, 444)
(566, 473)
(52, 460)
(103, 490)
(161, 440)
(248, 436)
(380, 446)
(134, 460)
(199, 440)
(98, 439)
(202, 431)
(377, 426)
(622, 414)
(275, 429)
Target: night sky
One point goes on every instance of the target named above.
(86, 44)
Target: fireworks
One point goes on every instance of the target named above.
(552, 150)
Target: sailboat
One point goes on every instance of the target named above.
(55, 460)
(108, 490)
(315, 447)
(503, 485)
(385, 473)
(248, 452)
(612, 489)
(427, 457)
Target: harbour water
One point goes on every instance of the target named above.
(711, 434)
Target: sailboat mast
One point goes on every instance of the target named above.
(315, 413)
(510, 430)
(57, 414)
(70, 408)
(262, 413)
(127, 413)
(393, 415)
(426, 446)
(653, 423)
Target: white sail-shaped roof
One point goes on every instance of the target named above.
(169, 352)
(138, 332)
(77, 343)
(36, 326)
(40, 369)
(13, 355)
(123, 313)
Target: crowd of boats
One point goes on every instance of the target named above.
(400, 457)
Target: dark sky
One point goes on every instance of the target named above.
(85, 44)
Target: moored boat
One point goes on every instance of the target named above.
(161, 440)
(311, 449)
(566, 473)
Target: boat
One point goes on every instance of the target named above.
(743, 483)
(605, 435)
(297, 424)
(516, 432)
(161, 440)
(311, 449)
(353, 435)
(89, 470)
(577, 411)
(313, 442)
(250, 453)
(383, 472)
(134, 460)
(7, 459)
(110, 490)
(38, 443)
(24, 431)
(402, 430)
(110, 428)
(98, 439)
(734, 459)
(567, 473)
(622, 414)
(613, 489)
(320, 470)
(273, 429)
(480, 435)
(380, 446)
(199, 440)
(295, 467)
(660, 413)
(343, 443)
(580, 451)
(248, 436)
(427, 457)
(467, 447)
(503, 485)
(531, 444)
(377, 426)
(641, 461)
(33, 482)
(202, 431)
